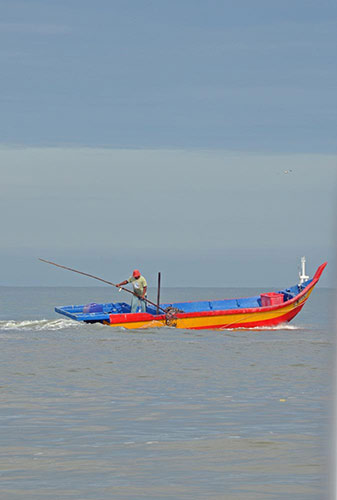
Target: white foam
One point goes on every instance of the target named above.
(42, 324)
(278, 327)
(285, 326)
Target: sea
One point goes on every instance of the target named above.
(101, 413)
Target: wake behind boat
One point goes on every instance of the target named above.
(266, 309)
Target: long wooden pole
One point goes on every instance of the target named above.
(99, 279)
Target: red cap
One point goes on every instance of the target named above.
(136, 273)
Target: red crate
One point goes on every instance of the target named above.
(271, 299)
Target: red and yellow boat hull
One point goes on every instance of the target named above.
(227, 319)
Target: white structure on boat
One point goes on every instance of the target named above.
(302, 275)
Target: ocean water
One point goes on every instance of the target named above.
(94, 412)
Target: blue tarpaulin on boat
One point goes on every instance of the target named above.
(220, 305)
(215, 305)
(249, 302)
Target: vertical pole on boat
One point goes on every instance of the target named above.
(158, 294)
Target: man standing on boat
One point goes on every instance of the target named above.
(139, 289)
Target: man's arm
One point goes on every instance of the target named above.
(125, 282)
(144, 292)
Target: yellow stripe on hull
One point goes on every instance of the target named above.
(230, 320)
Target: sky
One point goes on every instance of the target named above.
(193, 138)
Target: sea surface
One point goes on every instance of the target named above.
(94, 412)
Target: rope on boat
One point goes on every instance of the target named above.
(170, 316)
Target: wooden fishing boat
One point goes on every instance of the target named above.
(266, 309)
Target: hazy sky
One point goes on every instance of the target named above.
(157, 134)
(245, 75)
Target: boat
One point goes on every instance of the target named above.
(268, 309)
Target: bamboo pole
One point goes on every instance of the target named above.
(101, 279)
